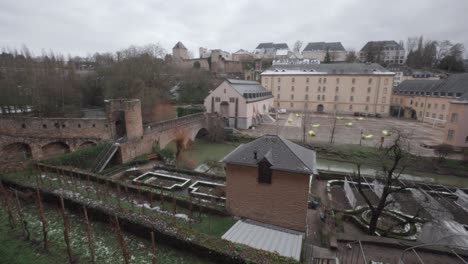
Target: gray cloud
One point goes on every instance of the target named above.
(84, 27)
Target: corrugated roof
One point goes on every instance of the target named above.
(332, 46)
(283, 241)
(282, 154)
(330, 68)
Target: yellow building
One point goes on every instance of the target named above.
(440, 102)
(344, 88)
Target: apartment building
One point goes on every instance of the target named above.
(318, 50)
(387, 51)
(403, 73)
(344, 88)
(440, 102)
(268, 50)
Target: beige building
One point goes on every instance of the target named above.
(404, 73)
(386, 51)
(241, 103)
(440, 102)
(344, 88)
(267, 180)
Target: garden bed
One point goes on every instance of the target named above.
(161, 180)
(208, 190)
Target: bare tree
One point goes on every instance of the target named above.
(297, 46)
(351, 56)
(332, 121)
(305, 123)
(395, 158)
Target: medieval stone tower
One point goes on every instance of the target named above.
(179, 52)
(125, 119)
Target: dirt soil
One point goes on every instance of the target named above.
(409, 205)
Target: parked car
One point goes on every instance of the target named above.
(282, 111)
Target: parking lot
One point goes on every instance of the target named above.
(349, 130)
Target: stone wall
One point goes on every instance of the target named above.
(282, 203)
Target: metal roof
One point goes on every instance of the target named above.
(281, 153)
(285, 242)
(382, 45)
(329, 68)
(254, 88)
(271, 45)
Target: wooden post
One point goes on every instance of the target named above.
(66, 230)
(89, 234)
(174, 209)
(154, 258)
(190, 211)
(107, 189)
(21, 216)
(42, 218)
(40, 174)
(120, 237)
(88, 186)
(151, 199)
(140, 197)
(59, 177)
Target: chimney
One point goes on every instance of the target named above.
(255, 154)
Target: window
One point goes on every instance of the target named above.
(350, 107)
(441, 117)
(435, 106)
(443, 106)
(337, 89)
(264, 171)
(279, 79)
(385, 81)
(224, 90)
(382, 109)
(368, 99)
(323, 97)
(351, 98)
(411, 102)
(354, 81)
(368, 89)
(352, 89)
(454, 118)
(318, 97)
(428, 106)
(307, 80)
(385, 90)
(320, 80)
(307, 97)
(370, 81)
(292, 96)
(319, 89)
(466, 139)
(450, 134)
(433, 115)
(324, 88)
(279, 87)
(217, 99)
(293, 79)
(337, 80)
(420, 114)
(292, 88)
(427, 114)
(384, 100)
(79, 125)
(416, 104)
(324, 80)
(336, 98)
(278, 96)
(292, 105)
(23, 125)
(367, 108)
(307, 88)
(232, 99)
(94, 125)
(422, 104)
(44, 126)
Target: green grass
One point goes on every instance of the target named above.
(214, 225)
(83, 158)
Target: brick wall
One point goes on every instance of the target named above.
(282, 203)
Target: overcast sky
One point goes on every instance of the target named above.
(82, 27)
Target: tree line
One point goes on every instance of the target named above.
(53, 85)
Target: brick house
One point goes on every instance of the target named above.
(267, 180)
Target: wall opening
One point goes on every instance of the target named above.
(16, 152)
(55, 149)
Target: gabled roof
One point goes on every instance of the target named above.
(242, 51)
(456, 84)
(328, 68)
(179, 45)
(271, 45)
(332, 46)
(281, 153)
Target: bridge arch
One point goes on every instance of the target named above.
(55, 148)
(17, 151)
(87, 144)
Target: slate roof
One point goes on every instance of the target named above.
(245, 88)
(457, 84)
(281, 153)
(383, 44)
(179, 45)
(335, 46)
(271, 45)
(329, 68)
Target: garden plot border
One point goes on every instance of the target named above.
(194, 190)
(162, 175)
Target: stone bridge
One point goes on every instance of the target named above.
(24, 138)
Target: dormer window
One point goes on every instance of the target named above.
(264, 171)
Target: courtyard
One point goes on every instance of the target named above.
(350, 129)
